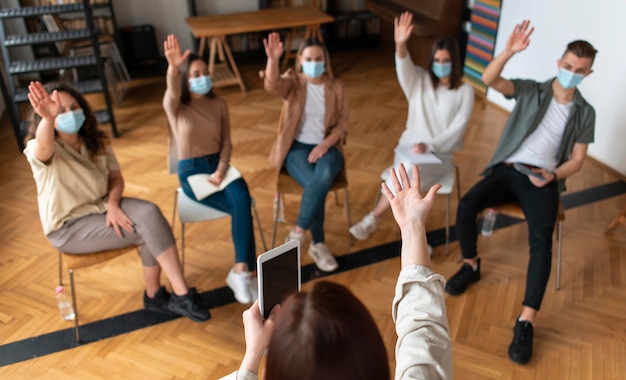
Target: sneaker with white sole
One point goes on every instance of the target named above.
(365, 227)
(239, 284)
(322, 256)
(253, 286)
(430, 251)
(293, 235)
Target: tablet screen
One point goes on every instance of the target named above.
(279, 276)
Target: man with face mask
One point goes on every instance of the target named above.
(544, 141)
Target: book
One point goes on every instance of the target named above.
(406, 154)
(202, 188)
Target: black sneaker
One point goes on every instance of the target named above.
(187, 306)
(521, 348)
(458, 283)
(159, 302)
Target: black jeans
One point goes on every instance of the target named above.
(540, 205)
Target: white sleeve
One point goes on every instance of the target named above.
(242, 374)
(423, 350)
(409, 75)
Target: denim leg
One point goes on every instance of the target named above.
(234, 200)
(492, 190)
(316, 179)
(540, 206)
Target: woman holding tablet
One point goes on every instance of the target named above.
(298, 335)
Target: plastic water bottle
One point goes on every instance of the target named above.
(489, 219)
(278, 204)
(65, 304)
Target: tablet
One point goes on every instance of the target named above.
(278, 275)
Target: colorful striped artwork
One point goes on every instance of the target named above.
(481, 41)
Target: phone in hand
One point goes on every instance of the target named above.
(528, 171)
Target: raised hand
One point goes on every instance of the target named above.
(173, 53)
(520, 37)
(47, 106)
(402, 27)
(273, 46)
(408, 205)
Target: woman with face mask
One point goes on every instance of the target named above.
(82, 210)
(312, 133)
(440, 106)
(200, 125)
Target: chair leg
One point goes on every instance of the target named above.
(458, 183)
(60, 268)
(448, 225)
(258, 223)
(175, 208)
(182, 245)
(559, 237)
(72, 287)
(348, 215)
(274, 229)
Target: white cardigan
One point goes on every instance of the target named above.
(436, 117)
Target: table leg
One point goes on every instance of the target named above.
(233, 65)
(288, 48)
(202, 46)
(212, 50)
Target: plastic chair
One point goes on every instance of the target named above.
(77, 261)
(514, 210)
(190, 211)
(447, 180)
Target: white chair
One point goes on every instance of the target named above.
(190, 211)
(447, 181)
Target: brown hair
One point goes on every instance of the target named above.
(452, 47)
(94, 139)
(185, 94)
(312, 42)
(326, 333)
(582, 49)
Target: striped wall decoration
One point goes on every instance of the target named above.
(481, 41)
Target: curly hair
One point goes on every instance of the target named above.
(94, 138)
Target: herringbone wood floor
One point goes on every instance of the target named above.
(580, 332)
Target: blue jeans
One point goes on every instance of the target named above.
(540, 206)
(234, 200)
(316, 179)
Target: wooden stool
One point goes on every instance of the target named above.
(77, 261)
(620, 219)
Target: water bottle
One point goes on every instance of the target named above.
(489, 219)
(278, 204)
(65, 304)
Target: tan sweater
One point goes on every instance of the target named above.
(291, 87)
(70, 185)
(201, 127)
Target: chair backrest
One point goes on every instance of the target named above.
(172, 153)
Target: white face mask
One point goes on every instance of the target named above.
(70, 122)
(569, 79)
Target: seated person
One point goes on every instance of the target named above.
(79, 192)
(327, 333)
(440, 106)
(547, 133)
(314, 128)
(200, 124)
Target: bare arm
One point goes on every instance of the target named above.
(518, 41)
(48, 107)
(175, 58)
(566, 169)
(273, 49)
(401, 33)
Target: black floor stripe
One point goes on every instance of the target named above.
(91, 332)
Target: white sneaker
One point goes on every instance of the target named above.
(323, 258)
(253, 286)
(293, 235)
(365, 227)
(430, 251)
(239, 284)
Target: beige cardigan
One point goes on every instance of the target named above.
(291, 87)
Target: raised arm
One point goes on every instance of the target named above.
(273, 50)
(406, 71)
(48, 107)
(401, 33)
(518, 41)
(175, 58)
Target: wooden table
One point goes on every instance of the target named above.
(216, 27)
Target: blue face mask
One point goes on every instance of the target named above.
(442, 70)
(200, 85)
(70, 122)
(569, 79)
(313, 69)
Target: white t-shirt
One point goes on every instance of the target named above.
(312, 122)
(541, 147)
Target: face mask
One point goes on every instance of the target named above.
(70, 122)
(313, 69)
(569, 79)
(200, 85)
(442, 70)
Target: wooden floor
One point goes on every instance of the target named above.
(580, 332)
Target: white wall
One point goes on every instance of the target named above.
(558, 22)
